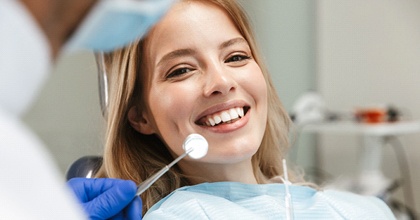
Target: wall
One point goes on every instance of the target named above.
(368, 53)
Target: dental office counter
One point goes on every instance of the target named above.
(371, 180)
(379, 129)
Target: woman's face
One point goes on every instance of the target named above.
(203, 79)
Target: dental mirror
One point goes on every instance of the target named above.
(194, 145)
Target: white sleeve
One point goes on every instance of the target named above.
(30, 183)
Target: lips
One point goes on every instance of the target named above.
(226, 116)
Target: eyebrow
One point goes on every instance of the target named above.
(238, 40)
(174, 54)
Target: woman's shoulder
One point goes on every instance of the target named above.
(358, 206)
(349, 203)
(229, 200)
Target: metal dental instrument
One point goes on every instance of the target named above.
(195, 146)
(288, 197)
(102, 83)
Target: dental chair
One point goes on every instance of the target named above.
(87, 166)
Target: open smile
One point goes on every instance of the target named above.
(223, 117)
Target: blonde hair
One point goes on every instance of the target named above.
(135, 156)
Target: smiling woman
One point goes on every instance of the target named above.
(202, 65)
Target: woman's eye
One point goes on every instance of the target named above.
(178, 72)
(237, 58)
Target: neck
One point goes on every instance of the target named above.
(206, 172)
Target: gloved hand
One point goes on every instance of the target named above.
(106, 198)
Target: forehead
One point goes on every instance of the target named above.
(190, 13)
(190, 24)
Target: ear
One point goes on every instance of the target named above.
(139, 121)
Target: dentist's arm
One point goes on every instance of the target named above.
(106, 198)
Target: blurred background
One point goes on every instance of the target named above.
(351, 53)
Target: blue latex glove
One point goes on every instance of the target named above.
(106, 198)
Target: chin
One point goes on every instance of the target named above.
(232, 154)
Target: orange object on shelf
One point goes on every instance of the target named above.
(371, 115)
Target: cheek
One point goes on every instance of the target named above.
(170, 104)
(254, 82)
(171, 107)
(257, 89)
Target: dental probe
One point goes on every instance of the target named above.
(195, 146)
(288, 197)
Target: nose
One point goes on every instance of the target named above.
(219, 80)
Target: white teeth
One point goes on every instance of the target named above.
(217, 119)
(233, 113)
(240, 112)
(211, 121)
(225, 116)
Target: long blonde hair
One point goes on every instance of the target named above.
(131, 155)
